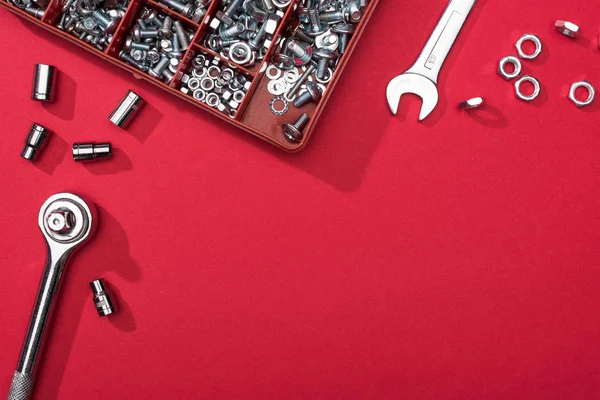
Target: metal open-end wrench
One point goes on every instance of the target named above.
(66, 222)
(421, 78)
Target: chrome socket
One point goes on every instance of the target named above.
(126, 110)
(35, 141)
(44, 79)
(102, 299)
(91, 151)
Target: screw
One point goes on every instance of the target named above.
(168, 74)
(35, 11)
(302, 51)
(325, 56)
(293, 132)
(127, 58)
(138, 55)
(345, 31)
(225, 17)
(311, 68)
(258, 38)
(312, 93)
(316, 26)
(158, 69)
(183, 39)
(233, 31)
(109, 24)
(333, 16)
(354, 12)
(182, 8)
(139, 34)
(67, 5)
(152, 18)
(267, 5)
(130, 44)
(61, 221)
(165, 32)
(303, 36)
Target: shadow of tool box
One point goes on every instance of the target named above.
(252, 113)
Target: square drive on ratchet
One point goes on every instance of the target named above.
(421, 78)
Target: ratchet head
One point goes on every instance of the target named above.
(66, 221)
(415, 84)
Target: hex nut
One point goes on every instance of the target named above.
(567, 28)
(536, 88)
(528, 37)
(509, 60)
(591, 93)
(271, 25)
(215, 23)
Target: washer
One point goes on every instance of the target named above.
(207, 84)
(291, 75)
(194, 83)
(212, 99)
(528, 37)
(536, 88)
(273, 75)
(214, 72)
(327, 78)
(199, 95)
(276, 88)
(199, 72)
(282, 111)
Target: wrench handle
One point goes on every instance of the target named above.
(21, 386)
(442, 39)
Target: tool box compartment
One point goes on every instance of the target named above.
(252, 112)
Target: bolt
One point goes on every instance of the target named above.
(168, 74)
(353, 11)
(130, 44)
(35, 11)
(127, 58)
(109, 24)
(325, 57)
(175, 43)
(302, 52)
(159, 68)
(316, 26)
(312, 93)
(345, 31)
(333, 16)
(225, 17)
(293, 132)
(233, 31)
(258, 38)
(152, 18)
(61, 22)
(183, 39)
(311, 68)
(69, 23)
(61, 221)
(363, 4)
(303, 36)
(67, 5)
(267, 5)
(139, 34)
(182, 8)
(90, 24)
(166, 32)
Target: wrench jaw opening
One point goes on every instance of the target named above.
(415, 84)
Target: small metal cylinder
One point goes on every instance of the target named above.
(126, 110)
(91, 151)
(34, 142)
(102, 300)
(44, 79)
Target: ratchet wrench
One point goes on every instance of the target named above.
(421, 78)
(66, 222)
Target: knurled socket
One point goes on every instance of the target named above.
(91, 151)
(34, 142)
(102, 299)
(44, 80)
(126, 110)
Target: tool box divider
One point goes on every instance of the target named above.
(53, 11)
(124, 26)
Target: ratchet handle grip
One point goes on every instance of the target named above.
(21, 387)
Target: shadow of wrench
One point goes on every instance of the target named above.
(66, 222)
(421, 78)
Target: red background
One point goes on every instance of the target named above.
(453, 259)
